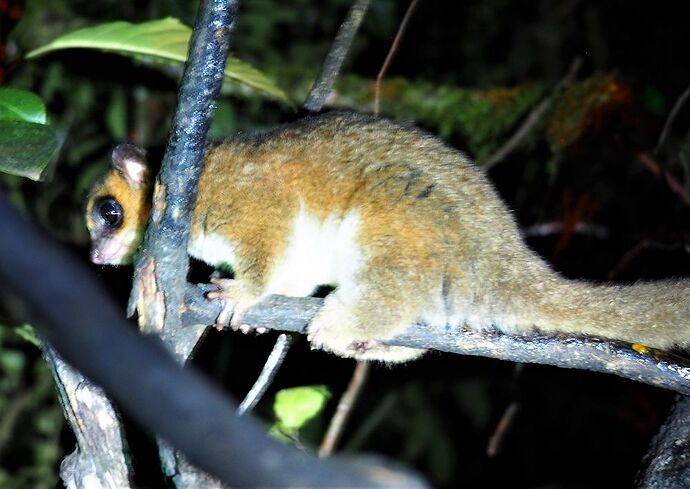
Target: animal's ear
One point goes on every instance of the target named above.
(130, 161)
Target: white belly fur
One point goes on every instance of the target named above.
(318, 252)
(212, 249)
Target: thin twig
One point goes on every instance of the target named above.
(496, 441)
(536, 114)
(334, 60)
(344, 409)
(671, 117)
(391, 53)
(628, 257)
(673, 183)
(268, 373)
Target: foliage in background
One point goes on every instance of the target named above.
(584, 108)
(30, 420)
(27, 142)
(294, 408)
(481, 118)
(165, 40)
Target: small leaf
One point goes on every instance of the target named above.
(295, 406)
(27, 332)
(26, 148)
(20, 105)
(165, 39)
(242, 72)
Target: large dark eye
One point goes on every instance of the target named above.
(110, 211)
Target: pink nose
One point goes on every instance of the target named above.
(96, 257)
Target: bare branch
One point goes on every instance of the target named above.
(160, 269)
(493, 448)
(344, 409)
(658, 171)
(268, 372)
(667, 464)
(655, 367)
(100, 454)
(391, 53)
(161, 266)
(334, 60)
(535, 115)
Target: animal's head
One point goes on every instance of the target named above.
(118, 207)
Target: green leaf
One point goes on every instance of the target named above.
(27, 144)
(164, 39)
(26, 148)
(20, 105)
(295, 406)
(27, 333)
(242, 72)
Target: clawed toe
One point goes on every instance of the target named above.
(235, 298)
(227, 304)
(363, 346)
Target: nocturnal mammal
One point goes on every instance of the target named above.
(404, 227)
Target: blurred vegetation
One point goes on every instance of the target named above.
(30, 422)
(590, 187)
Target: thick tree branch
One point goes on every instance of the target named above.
(161, 266)
(667, 464)
(160, 270)
(72, 310)
(655, 368)
(100, 455)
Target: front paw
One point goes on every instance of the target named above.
(235, 298)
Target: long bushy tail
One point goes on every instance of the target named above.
(656, 314)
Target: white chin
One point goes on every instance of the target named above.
(106, 257)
